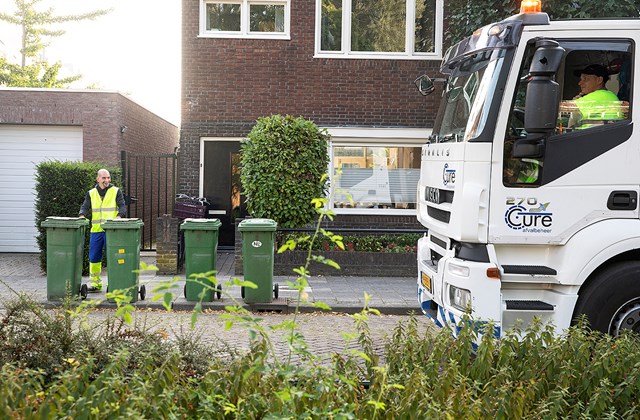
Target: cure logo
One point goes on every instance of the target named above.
(448, 175)
(532, 220)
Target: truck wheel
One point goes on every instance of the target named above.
(612, 301)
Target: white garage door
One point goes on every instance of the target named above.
(21, 148)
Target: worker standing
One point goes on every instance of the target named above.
(105, 201)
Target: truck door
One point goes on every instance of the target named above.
(582, 170)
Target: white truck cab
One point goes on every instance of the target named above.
(531, 199)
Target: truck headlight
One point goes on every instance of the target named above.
(460, 298)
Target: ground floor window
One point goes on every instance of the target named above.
(375, 170)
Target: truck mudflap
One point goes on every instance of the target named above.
(454, 292)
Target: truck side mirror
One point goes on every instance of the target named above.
(543, 93)
(425, 85)
(528, 148)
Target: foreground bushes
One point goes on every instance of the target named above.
(51, 369)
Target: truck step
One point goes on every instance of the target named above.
(529, 269)
(528, 305)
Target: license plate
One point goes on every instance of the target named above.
(426, 282)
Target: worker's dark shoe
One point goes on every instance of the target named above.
(94, 289)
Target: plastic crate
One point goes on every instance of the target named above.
(185, 210)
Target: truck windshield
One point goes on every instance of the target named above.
(468, 95)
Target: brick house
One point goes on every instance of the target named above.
(64, 124)
(243, 59)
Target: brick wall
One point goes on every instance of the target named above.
(101, 115)
(228, 83)
(167, 244)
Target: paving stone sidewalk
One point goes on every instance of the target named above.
(390, 295)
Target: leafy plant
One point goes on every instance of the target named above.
(362, 243)
(283, 162)
(465, 16)
(37, 28)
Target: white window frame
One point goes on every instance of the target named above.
(408, 54)
(244, 20)
(359, 137)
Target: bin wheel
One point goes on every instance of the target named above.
(143, 292)
(219, 291)
(276, 289)
(242, 291)
(84, 290)
(185, 291)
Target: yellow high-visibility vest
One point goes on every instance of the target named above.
(102, 208)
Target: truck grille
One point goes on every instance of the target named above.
(440, 215)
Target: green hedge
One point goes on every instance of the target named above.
(283, 163)
(60, 191)
(399, 243)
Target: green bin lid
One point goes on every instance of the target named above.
(200, 224)
(64, 222)
(123, 223)
(257, 225)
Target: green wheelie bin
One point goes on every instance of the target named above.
(258, 237)
(65, 253)
(200, 251)
(123, 256)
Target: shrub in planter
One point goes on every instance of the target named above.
(363, 243)
(283, 163)
(60, 190)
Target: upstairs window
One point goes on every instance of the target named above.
(379, 28)
(245, 19)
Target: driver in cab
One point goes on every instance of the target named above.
(594, 105)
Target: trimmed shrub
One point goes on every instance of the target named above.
(283, 163)
(60, 191)
(398, 243)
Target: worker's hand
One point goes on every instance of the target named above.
(82, 215)
(118, 217)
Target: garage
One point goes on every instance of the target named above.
(22, 147)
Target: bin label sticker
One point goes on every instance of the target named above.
(120, 261)
(256, 244)
(121, 251)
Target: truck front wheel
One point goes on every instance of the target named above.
(611, 301)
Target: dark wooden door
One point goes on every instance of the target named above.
(221, 186)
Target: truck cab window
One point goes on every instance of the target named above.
(594, 79)
(519, 172)
(595, 90)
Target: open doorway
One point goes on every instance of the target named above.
(220, 181)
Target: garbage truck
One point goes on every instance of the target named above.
(530, 199)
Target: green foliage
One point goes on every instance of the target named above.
(36, 29)
(52, 367)
(361, 243)
(60, 191)
(39, 75)
(283, 163)
(465, 16)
